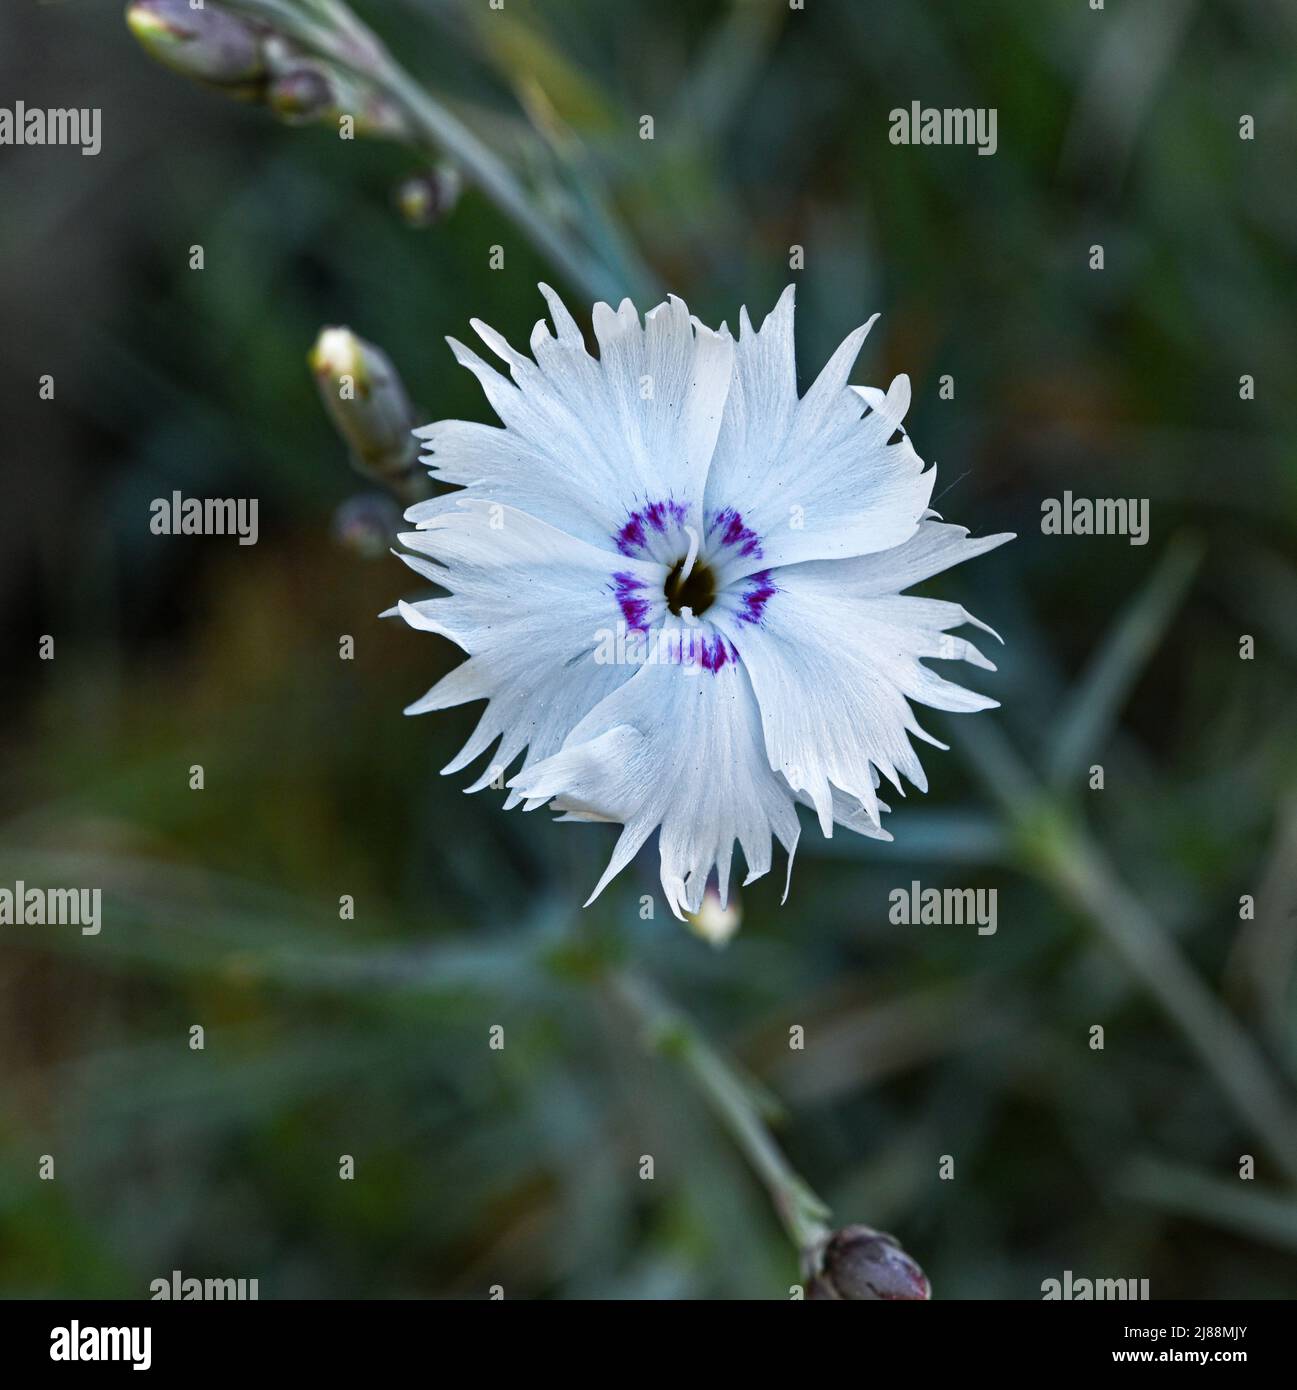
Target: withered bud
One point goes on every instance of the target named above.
(863, 1265)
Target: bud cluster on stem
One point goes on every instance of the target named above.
(249, 59)
(316, 61)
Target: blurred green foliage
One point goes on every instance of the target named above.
(368, 1037)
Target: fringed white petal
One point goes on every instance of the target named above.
(588, 440)
(532, 606)
(837, 658)
(679, 751)
(823, 477)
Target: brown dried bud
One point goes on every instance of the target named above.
(861, 1264)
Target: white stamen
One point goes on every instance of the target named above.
(693, 553)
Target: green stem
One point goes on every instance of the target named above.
(736, 1102)
(344, 40)
(1067, 858)
(443, 133)
(1080, 870)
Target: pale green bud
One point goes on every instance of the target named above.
(209, 44)
(300, 95)
(368, 405)
(428, 196)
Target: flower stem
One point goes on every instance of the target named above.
(331, 31)
(737, 1102)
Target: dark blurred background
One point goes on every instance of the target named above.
(369, 1037)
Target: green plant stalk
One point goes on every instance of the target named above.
(1065, 857)
(736, 1102)
(337, 35)
(1264, 1216)
(1088, 714)
(1079, 870)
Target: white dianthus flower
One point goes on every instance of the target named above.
(679, 585)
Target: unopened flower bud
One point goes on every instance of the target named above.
(428, 196)
(366, 524)
(368, 405)
(358, 107)
(861, 1264)
(300, 95)
(207, 44)
(714, 923)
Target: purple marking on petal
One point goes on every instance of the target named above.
(635, 610)
(733, 532)
(760, 589)
(631, 538)
(713, 655)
